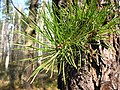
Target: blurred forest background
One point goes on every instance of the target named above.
(12, 71)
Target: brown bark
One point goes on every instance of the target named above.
(30, 31)
(98, 72)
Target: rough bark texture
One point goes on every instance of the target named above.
(98, 72)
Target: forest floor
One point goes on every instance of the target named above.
(4, 85)
(39, 83)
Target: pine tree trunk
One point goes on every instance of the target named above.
(103, 74)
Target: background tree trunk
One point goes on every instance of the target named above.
(29, 31)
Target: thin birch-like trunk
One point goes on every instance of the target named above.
(19, 24)
(2, 39)
(7, 46)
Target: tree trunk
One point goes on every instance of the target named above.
(103, 74)
(29, 31)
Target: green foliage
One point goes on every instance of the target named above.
(69, 30)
